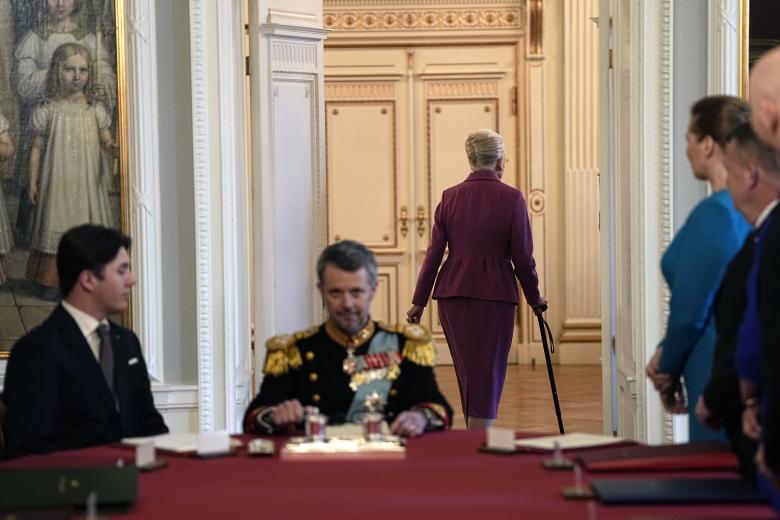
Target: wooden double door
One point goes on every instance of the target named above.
(396, 120)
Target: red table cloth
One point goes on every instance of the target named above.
(443, 475)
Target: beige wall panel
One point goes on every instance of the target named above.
(449, 123)
(385, 306)
(361, 148)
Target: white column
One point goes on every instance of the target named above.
(288, 170)
(723, 61)
(143, 177)
(221, 212)
(533, 145)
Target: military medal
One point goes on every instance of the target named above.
(350, 364)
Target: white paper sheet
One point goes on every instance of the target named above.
(569, 441)
(175, 442)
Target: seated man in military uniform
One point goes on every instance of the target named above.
(350, 364)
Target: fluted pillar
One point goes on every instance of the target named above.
(581, 334)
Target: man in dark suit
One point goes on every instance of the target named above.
(765, 120)
(78, 379)
(754, 183)
(720, 404)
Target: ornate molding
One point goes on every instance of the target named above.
(281, 16)
(650, 203)
(461, 89)
(537, 202)
(636, 328)
(204, 264)
(666, 146)
(390, 258)
(236, 278)
(356, 4)
(446, 18)
(535, 29)
(339, 90)
(293, 56)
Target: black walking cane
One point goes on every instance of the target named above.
(544, 328)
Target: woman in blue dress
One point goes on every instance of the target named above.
(694, 263)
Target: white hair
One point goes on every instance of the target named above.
(483, 148)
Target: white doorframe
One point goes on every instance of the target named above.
(648, 215)
(221, 212)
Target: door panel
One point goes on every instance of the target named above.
(461, 90)
(367, 176)
(627, 365)
(385, 305)
(386, 171)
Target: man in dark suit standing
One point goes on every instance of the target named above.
(78, 379)
(765, 120)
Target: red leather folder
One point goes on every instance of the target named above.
(696, 456)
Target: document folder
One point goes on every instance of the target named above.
(115, 488)
(700, 456)
(676, 491)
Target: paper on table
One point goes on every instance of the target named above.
(569, 441)
(176, 442)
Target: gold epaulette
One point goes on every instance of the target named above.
(303, 334)
(419, 346)
(282, 355)
(389, 328)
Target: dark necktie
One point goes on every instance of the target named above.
(106, 355)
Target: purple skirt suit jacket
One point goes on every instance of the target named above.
(485, 224)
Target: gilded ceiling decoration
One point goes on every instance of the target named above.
(392, 15)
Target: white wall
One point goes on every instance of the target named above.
(176, 191)
(689, 85)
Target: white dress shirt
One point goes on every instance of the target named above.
(88, 326)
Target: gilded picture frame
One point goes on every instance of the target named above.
(63, 109)
(759, 32)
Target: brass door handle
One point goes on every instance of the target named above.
(404, 218)
(421, 220)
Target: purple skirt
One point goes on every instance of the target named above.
(479, 335)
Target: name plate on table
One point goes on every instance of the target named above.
(301, 449)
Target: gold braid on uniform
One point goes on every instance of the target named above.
(283, 353)
(419, 347)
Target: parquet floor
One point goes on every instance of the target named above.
(527, 405)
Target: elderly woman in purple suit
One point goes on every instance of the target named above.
(485, 225)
